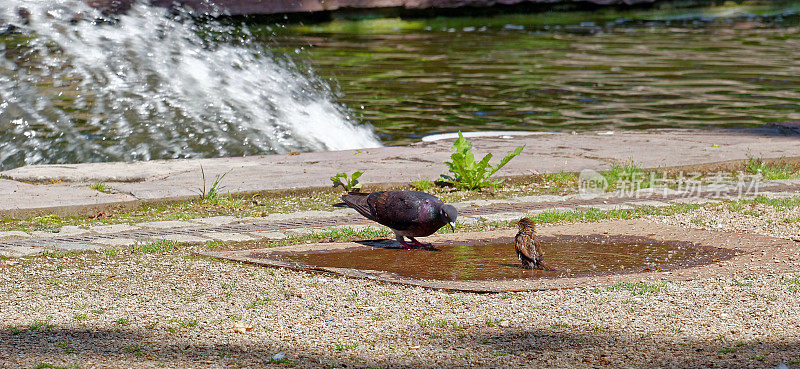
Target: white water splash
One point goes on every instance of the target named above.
(148, 86)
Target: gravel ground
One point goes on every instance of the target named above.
(175, 310)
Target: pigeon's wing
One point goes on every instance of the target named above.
(396, 209)
(358, 201)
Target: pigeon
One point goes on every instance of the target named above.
(526, 247)
(408, 213)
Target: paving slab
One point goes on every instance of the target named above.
(172, 180)
(501, 217)
(268, 234)
(13, 234)
(183, 238)
(224, 236)
(607, 207)
(216, 221)
(656, 204)
(19, 199)
(166, 224)
(123, 242)
(113, 228)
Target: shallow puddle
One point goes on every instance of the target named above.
(572, 256)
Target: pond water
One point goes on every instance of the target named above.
(157, 85)
(720, 67)
(569, 255)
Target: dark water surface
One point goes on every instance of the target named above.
(571, 256)
(720, 67)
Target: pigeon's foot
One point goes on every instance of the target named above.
(414, 244)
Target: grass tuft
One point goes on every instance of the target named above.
(771, 170)
(345, 346)
(637, 288)
(100, 186)
(213, 192)
(51, 366)
(628, 173)
(422, 185)
(154, 247)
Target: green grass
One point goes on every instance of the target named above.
(161, 246)
(41, 326)
(626, 176)
(257, 302)
(213, 192)
(441, 323)
(184, 322)
(593, 215)
(771, 170)
(777, 203)
(51, 366)
(493, 322)
(283, 361)
(66, 347)
(345, 346)
(637, 288)
(136, 350)
(422, 185)
(102, 187)
(16, 330)
(111, 252)
(791, 280)
(332, 235)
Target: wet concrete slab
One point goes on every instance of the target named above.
(674, 253)
(172, 180)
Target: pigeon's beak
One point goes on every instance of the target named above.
(453, 226)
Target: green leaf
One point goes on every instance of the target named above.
(508, 158)
(468, 173)
(349, 184)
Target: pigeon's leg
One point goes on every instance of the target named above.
(414, 244)
(403, 242)
(420, 244)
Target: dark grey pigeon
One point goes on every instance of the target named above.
(408, 213)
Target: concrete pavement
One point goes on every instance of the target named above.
(65, 189)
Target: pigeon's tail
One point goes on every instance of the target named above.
(358, 201)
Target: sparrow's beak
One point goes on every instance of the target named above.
(453, 226)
